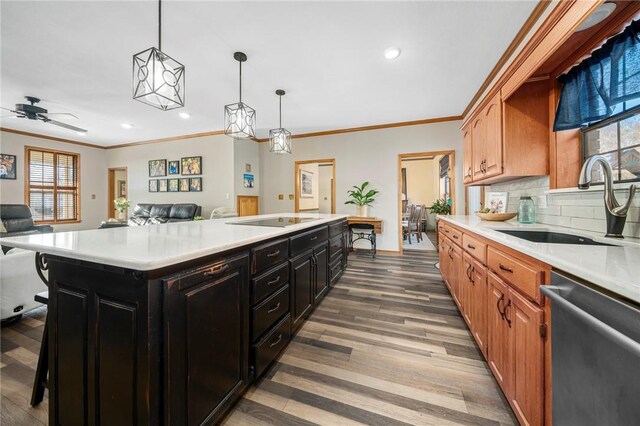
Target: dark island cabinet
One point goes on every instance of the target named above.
(207, 335)
(321, 253)
(302, 281)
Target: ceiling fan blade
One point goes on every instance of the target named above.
(9, 116)
(7, 109)
(47, 114)
(66, 126)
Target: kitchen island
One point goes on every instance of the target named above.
(169, 324)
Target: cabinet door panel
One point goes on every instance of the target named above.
(493, 137)
(477, 147)
(467, 152)
(456, 274)
(322, 272)
(302, 278)
(499, 337)
(527, 391)
(466, 290)
(479, 305)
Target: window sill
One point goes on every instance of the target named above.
(59, 222)
(596, 188)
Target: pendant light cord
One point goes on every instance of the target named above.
(160, 25)
(280, 96)
(240, 62)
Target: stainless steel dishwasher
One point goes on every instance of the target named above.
(595, 356)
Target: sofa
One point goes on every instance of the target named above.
(17, 220)
(150, 214)
(19, 283)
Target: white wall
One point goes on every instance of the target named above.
(361, 156)
(93, 178)
(325, 174)
(310, 203)
(245, 152)
(217, 170)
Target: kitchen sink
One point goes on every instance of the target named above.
(553, 237)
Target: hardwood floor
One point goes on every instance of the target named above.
(386, 347)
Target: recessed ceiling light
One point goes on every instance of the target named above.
(127, 125)
(598, 15)
(82, 133)
(392, 53)
(185, 115)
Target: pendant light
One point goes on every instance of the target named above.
(239, 118)
(158, 79)
(280, 138)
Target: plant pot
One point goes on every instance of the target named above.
(121, 216)
(362, 211)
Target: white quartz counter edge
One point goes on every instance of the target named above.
(145, 248)
(616, 269)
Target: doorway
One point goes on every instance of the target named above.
(118, 188)
(423, 178)
(315, 186)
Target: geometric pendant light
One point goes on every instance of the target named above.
(280, 138)
(158, 79)
(240, 118)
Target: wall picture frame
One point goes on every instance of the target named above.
(173, 185)
(195, 184)
(306, 184)
(174, 167)
(184, 184)
(153, 185)
(248, 180)
(191, 165)
(122, 188)
(8, 166)
(162, 185)
(157, 168)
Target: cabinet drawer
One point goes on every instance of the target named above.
(268, 312)
(212, 271)
(264, 256)
(336, 256)
(454, 234)
(270, 346)
(335, 270)
(520, 274)
(335, 245)
(270, 281)
(308, 239)
(475, 248)
(336, 229)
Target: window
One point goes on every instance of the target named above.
(52, 177)
(618, 140)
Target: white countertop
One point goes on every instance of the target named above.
(616, 269)
(149, 247)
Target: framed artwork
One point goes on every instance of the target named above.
(173, 185)
(162, 185)
(248, 180)
(174, 167)
(153, 185)
(122, 188)
(191, 165)
(157, 168)
(195, 184)
(496, 201)
(306, 184)
(7, 166)
(184, 184)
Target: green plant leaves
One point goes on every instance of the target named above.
(361, 198)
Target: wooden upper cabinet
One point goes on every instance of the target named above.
(509, 137)
(492, 138)
(477, 147)
(467, 158)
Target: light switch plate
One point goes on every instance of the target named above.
(542, 201)
(291, 196)
(227, 196)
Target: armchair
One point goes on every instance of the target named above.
(17, 220)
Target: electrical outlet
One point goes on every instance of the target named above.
(93, 196)
(542, 201)
(227, 196)
(291, 196)
(280, 196)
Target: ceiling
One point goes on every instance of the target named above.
(77, 57)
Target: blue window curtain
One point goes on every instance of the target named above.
(592, 89)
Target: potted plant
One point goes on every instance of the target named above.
(362, 198)
(440, 206)
(121, 204)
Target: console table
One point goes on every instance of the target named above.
(373, 224)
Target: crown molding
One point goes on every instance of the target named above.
(169, 139)
(51, 138)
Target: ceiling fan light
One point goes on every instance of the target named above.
(158, 80)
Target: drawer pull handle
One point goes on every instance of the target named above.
(455, 237)
(216, 270)
(498, 306)
(446, 231)
(273, 309)
(313, 238)
(274, 281)
(505, 313)
(275, 342)
(469, 246)
(275, 253)
(504, 268)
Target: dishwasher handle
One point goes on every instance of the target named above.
(553, 293)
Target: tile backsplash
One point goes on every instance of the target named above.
(580, 210)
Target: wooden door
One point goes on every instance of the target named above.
(498, 340)
(456, 273)
(493, 137)
(301, 282)
(466, 290)
(247, 205)
(478, 301)
(321, 287)
(477, 147)
(527, 358)
(467, 155)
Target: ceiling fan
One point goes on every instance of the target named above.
(33, 112)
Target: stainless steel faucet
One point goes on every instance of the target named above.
(615, 213)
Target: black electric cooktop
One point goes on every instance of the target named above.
(276, 222)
